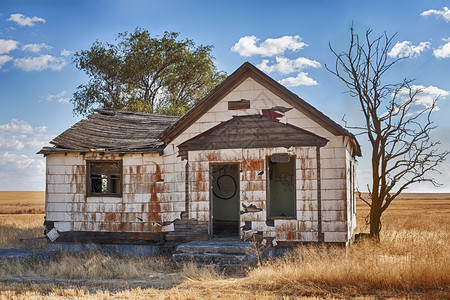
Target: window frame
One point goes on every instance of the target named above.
(269, 217)
(89, 191)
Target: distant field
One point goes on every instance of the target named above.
(22, 202)
(419, 196)
(420, 205)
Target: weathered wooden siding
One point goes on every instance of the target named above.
(334, 192)
(152, 195)
(253, 182)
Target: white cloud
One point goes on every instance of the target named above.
(445, 13)
(25, 21)
(58, 97)
(426, 95)
(4, 59)
(21, 172)
(443, 51)
(35, 47)
(406, 49)
(20, 167)
(8, 144)
(20, 161)
(285, 65)
(247, 45)
(7, 45)
(301, 79)
(19, 126)
(40, 63)
(65, 52)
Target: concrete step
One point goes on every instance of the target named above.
(211, 246)
(216, 259)
(215, 253)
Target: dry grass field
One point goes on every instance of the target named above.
(412, 261)
(22, 202)
(21, 217)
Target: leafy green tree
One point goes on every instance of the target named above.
(143, 73)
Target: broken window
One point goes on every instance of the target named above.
(282, 188)
(105, 178)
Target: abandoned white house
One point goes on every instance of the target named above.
(250, 160)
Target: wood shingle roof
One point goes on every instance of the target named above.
(113, 131)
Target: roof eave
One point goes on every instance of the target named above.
(47, 150)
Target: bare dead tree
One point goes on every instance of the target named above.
(397, 128)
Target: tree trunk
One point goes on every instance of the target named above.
(375, 222)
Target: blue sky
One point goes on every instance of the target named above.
(286, 39)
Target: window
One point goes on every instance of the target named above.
(282, 188)
(104, 178)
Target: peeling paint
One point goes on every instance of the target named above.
(250, 209)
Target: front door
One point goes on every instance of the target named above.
(225, 200)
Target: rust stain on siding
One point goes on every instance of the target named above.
(301, 226)
(252, 165)
(78, 179)
(110, 217)
(288, 230)
(123, 226)
(138, 171)
(154, 209)
(257, 185)
(199, 183)
(290, 235)
(213, 156)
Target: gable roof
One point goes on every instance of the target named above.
(252, 131)
(113, 131)
(236, 78)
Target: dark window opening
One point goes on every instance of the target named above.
(105, 178)
(282, 188)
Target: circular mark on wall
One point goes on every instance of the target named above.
(224, 187)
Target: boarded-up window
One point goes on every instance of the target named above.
(104, 178)
(281, 178)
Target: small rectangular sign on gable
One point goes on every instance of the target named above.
(280, 157)
(240, 104)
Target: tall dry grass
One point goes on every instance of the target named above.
(90, 265)
(364, 268)
(413, 256)
(14, 229)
